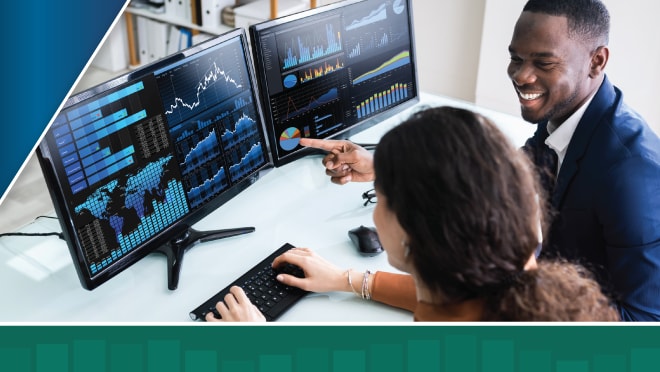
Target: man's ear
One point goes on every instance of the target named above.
(599, 60)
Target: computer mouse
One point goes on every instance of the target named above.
(366, 240)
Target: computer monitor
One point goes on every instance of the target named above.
(133, 163)
(334, 71)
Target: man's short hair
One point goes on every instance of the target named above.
(587, 19)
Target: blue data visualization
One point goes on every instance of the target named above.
(211, 147)
(133, 207)
(133, 162)
(252, 157)
(310, 44)
(88, 138)
(294, 109)
(377, 15)
(196, 85)
(244, 130)
(213, 121)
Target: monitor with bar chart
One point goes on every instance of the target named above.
(133, 163)
(333, 71)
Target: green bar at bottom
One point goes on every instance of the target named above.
(163, 356)
(423, 355)
(275, 363)
(126, 358)
(89, 355)
(16, 360)
(535, 361)
(386, 357)
(610, 363)
(312, 359)
(572, 366)
(461, 353)
(52, 358)
(200, 361)
(642, 358)
(237, 366)
(497, 355)
(349, 361)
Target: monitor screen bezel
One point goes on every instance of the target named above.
(179, 228)
(256, 29)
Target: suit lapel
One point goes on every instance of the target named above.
(604, 98)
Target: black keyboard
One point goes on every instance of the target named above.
(266, 293)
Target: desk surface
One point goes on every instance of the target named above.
(295, 203)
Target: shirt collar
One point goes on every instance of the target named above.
(560, 135)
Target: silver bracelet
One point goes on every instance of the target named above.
(350, 282)
(365, 286)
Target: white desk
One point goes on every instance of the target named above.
(295, 203)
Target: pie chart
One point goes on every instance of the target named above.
(290, 138)
(290, 81)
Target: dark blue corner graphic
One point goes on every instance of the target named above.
(46, 45)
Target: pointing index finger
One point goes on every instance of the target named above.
(326, 145)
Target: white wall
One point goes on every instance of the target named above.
(634, 55)
(447, 36)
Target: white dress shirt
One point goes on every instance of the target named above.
(560, 135)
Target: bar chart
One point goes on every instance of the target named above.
(382, 100)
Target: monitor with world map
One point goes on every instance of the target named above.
(333, 71)
(133, 163)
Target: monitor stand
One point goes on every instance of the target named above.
(175, 249)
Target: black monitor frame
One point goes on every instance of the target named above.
(288, 24)
(174, 239)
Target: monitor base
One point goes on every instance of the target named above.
(177, 247)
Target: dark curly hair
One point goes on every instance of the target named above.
(468, 202)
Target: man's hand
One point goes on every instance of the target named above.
(345, 161)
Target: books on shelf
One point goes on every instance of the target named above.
(113, 54)
(211, 11)
(157, 28)
(155, 40)
(179, 9)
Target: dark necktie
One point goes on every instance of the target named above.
(545, 160)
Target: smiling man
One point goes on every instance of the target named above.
(597, 158)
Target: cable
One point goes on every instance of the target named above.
(59, 235)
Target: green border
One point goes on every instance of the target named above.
(280, 348)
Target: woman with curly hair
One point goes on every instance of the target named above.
(459, 211)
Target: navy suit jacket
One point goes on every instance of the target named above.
(607, 197)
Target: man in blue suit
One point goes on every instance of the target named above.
(606, 198)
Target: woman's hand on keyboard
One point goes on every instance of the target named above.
(236, 308)
(320, 275)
